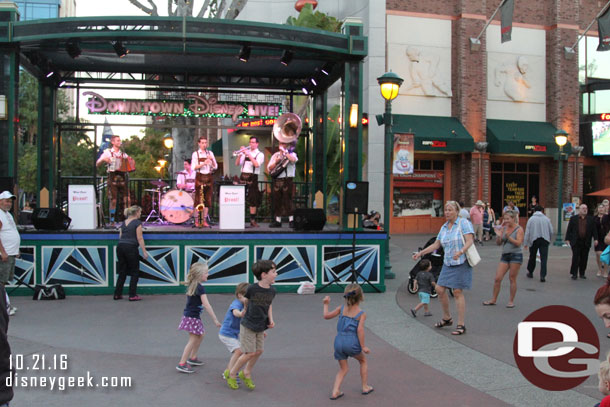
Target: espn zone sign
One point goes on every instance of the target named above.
(535, 148)
(434, 143)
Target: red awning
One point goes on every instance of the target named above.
(602, 192)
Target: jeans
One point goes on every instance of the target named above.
(129, 264)
(538, 245)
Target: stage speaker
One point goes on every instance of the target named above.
(356, 197)
(50, 219)
(309, 219)
(6, 184)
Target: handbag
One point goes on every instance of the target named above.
(472, 255)
(605, 256)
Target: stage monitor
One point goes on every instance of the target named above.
(50, 219)
(600, 132)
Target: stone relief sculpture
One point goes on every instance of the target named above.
(425, 74)
(512, 79)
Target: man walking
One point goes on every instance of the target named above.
(581, 229)
(9, 242)
(538, 232)
(476, 217)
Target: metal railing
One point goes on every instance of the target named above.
(140, 190)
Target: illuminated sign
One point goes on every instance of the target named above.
(194, 106)
(434, 143)
(535, 148)
(257, 123)
(604, 116)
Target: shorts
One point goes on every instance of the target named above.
(7, 270)
(424, 297)
(232, 344)
(250, 341)
(512, 258)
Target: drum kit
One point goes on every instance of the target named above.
(169, 206)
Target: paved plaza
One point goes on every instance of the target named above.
(411, 362)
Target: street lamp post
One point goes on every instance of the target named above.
(561, 138)
(389, 83)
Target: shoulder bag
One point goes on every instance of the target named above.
(472, 255)
(605, 256)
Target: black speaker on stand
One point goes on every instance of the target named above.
(50, 219)
(356, 203)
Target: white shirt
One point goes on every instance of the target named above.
(205, 169)
(9, 236)
(290, 168)
(187, 178)
(111, 153)
(248, 167)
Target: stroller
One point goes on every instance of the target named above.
(436, 260)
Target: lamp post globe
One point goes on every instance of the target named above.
(389, 84)
(561, 139)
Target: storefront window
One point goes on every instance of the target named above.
(420, 193)
(514, 181)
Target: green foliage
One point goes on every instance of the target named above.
(307, 18)
(28, 167)
(28, 107)
(146, 151)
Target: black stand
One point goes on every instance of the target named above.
(20, 283)
(354, 273)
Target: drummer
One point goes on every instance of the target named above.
(117, 180)
(186, 178)
(204, 163)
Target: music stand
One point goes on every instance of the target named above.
(351, 208)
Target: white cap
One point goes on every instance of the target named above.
(7, 195)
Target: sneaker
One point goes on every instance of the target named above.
(542, 280)
(136, 298)
(413, 313)
(12, 310)
(275, 224)
(583, 277)
(185, 368)
(194, 362)
(428, 314)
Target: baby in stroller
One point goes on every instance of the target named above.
(436, 260)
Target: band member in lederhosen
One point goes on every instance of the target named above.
(250, 161)
(117, 180)
(285, 158)
(204, 164)
(186, 178)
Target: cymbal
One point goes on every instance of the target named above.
(159, 183)
(151, 190)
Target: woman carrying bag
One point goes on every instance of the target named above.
(456, 236)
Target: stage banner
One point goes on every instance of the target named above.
(403, 158)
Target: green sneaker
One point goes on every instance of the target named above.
(225, 374)
(247, 381)
(232, 383)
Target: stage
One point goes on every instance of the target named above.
(84, 261)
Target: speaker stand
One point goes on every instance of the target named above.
(20, 282)
(354, 273)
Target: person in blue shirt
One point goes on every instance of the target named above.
(229, 331)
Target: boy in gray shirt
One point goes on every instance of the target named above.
(425, 282)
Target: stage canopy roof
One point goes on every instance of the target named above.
(184, 52)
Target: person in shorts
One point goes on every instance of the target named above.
(9, 243)
(229, 331)
(425, 282)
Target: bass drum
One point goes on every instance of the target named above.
(176, 206)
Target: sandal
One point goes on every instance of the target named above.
(459, 330)
(232, 383)
(247, 381)
(444, 322)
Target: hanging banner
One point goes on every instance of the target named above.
(194, 106)
(506, 27)
(403, 157)
(603, 28)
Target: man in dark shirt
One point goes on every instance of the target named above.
(6, 393)
(580, 230)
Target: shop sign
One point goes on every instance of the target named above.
(193, 106)
(604, 116)
(257, 123)
(535, 147)
(434, 143)
(435, 176)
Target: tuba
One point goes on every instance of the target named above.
(283, 123)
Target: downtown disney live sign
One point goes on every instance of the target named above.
(193, 106)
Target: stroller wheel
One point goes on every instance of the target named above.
(411, 286)
(433, 293)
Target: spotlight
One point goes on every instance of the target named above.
(120, 50)
(313, 81)
(286, 57)
(62, 83)
(326, 69)
(244, 53)
(49, 74)
(73, 49)
(305, 91)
